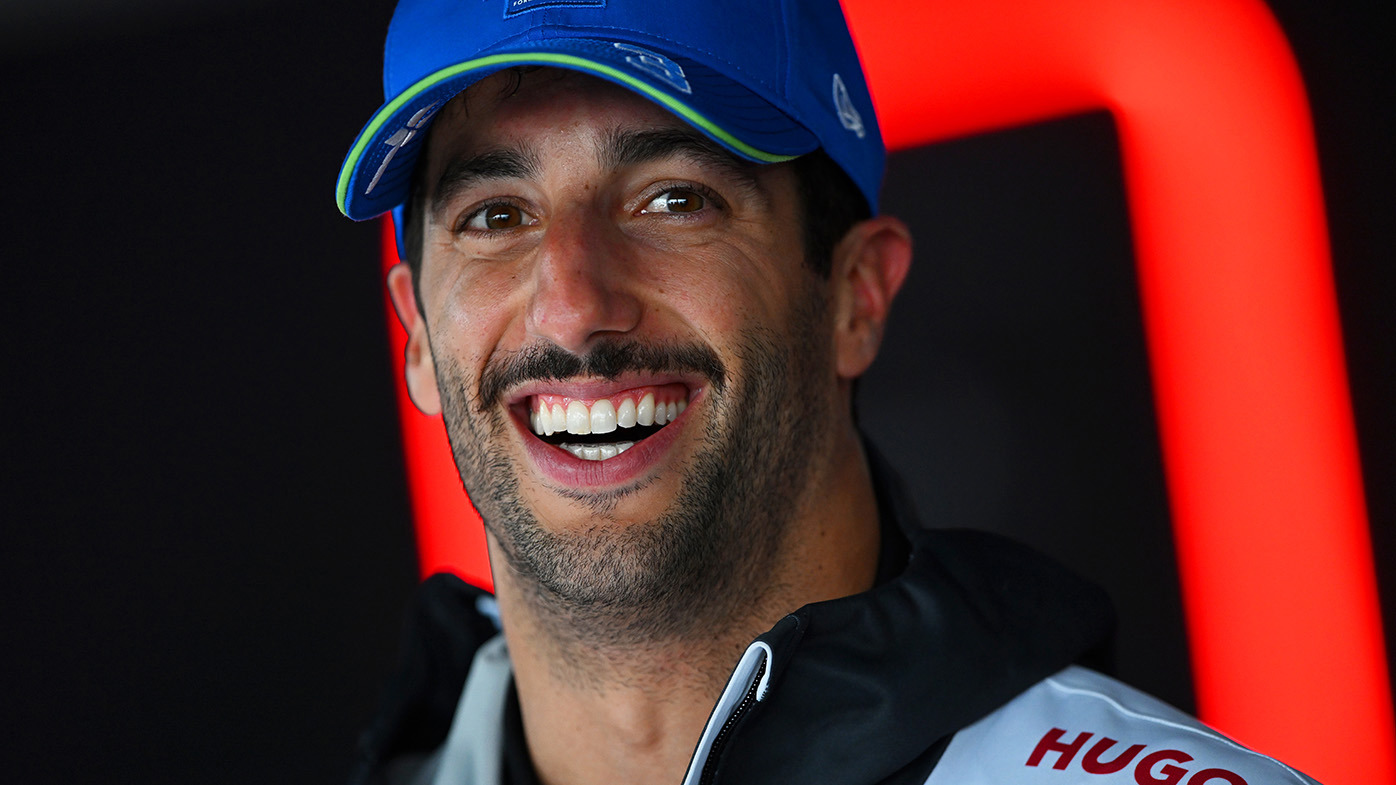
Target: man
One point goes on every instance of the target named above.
(644, 270)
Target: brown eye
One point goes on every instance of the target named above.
(678, 200)
(497, 217)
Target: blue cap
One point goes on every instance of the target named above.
(769, 80)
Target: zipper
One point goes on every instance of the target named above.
(748, 701)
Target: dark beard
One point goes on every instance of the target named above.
(714, 549)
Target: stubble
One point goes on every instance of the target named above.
(713, 554)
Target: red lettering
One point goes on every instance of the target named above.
(1148, 772)
(1094, 765)
(1051, 742)
(1171, 775)
(1208, 775)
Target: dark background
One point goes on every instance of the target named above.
(206, 543)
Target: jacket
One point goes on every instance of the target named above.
(959, 671)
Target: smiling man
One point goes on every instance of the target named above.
(644, 268)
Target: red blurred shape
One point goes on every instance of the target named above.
(1232, 247)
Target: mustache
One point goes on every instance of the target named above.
(608, 360)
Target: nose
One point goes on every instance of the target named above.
(583, 287)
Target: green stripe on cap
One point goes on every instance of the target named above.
(569, 61)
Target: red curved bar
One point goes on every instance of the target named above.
(1248, 370)
(1232, 247)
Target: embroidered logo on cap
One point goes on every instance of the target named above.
(516, 7)
(656, 65)
(401, 137)
(848, 113)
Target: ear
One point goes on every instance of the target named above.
(869, 265)
(419, 368)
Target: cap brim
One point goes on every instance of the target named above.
(377, 171)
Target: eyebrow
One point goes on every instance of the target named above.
(463, 173)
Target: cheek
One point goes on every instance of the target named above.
(474, 315)
(725, 287)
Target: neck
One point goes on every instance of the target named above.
(632, 710)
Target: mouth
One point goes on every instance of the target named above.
(603, 427)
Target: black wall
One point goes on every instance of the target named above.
(206, 541)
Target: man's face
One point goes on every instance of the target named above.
(631, 355)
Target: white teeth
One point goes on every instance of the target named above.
(578, 418)
(603, 416)
(599, 452)
(625, 415)
(541, 421)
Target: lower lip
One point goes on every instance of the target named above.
(567, 469)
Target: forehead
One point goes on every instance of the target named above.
(541, 116)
